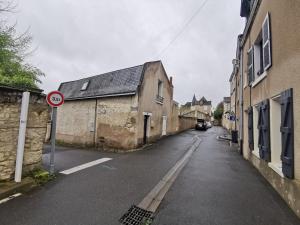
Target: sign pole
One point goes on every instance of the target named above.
(53, 133)
(54, 99)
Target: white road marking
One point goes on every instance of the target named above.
(84, 166)
(10, 198)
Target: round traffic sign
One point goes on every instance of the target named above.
(55, 98)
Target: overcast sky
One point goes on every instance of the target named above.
(80, 38)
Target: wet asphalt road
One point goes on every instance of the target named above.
(219, 187)
(100, 194)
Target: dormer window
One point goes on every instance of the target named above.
(85, 85)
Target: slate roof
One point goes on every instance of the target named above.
(202, 101)
(120, 82)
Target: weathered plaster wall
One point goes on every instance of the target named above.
(186, 123)
(284, 74)
(174, 120)
(76, 123)
(148, 103)
(10, 107)
(117, 123)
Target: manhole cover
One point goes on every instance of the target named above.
(136, 216)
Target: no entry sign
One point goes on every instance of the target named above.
(55, 98)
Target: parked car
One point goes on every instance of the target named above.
(208, 124)
(201, 125)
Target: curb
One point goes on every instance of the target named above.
(153, 199)
(9, 188)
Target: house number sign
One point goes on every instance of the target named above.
(55, 98)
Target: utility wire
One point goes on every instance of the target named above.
(183, 28)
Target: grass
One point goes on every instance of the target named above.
(41, 176)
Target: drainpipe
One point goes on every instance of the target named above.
(241, 102)
(21, 138)
(95, 124)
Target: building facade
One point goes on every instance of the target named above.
(199, 109)
(227, 114)
(119, 110)
(269, 97)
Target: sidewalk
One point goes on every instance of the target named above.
(219, 187)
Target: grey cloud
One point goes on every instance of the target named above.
(77, 38)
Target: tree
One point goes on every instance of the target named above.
(14, 71)
(218, 113)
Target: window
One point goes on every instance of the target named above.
(258, 56)
(250, 72)
(205, 108)
(159, 96)
(276, 144)
(84, 86)
(160, 88)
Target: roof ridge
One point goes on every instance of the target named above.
(102, 74)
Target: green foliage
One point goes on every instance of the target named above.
(218, 113)
(14, 71)
(41, 176)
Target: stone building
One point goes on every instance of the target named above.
(10, 106)
(119, 110)
(227, 115)
(200, 109)
(269, 93)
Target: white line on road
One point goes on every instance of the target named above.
(156, 195)
(10, 198)
(84, 166)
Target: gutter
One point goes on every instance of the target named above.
(101, 96)
(250, 21)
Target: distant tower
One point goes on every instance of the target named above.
(194, 101)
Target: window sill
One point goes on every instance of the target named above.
(158, 102)
(277, 167)
(256, 153)
(259, 79)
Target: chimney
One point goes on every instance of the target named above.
(171, 81)
(172, 87)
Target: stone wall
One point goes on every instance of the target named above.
(76, 123)
(10, 107)
(116, 123)
(186, 123)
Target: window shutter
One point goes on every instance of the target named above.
(250, 128)
(250, 65)
(264, 131)
(287, 133)
(266, 36)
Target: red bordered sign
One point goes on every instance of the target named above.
(55, 98)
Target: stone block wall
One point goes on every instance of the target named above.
(186, 123)
(10, 108)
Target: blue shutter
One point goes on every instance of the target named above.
(287, 133)
(264, 131)
(250, 128)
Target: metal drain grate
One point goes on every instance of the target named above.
(136, 216)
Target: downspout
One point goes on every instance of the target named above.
(235, 98)
(95, 124)
(241, 102)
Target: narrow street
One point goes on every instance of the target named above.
(100, 194)
(211, 189)
(217, 187)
